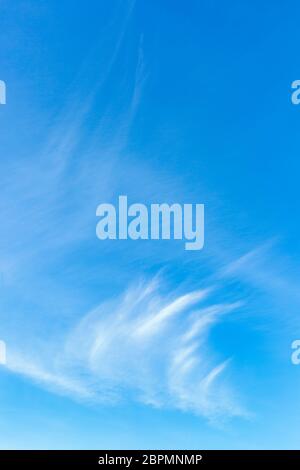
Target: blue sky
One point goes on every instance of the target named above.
(141, 344)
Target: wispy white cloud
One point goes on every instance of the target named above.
(143, 346)
(268, 272)
(48, 197)
(43, 374)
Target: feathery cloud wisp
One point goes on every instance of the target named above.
(142, 346)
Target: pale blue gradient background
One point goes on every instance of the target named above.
(165, 101)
